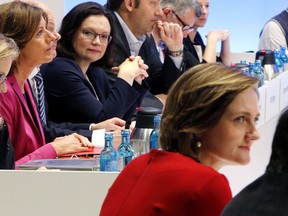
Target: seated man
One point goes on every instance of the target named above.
(132, 22)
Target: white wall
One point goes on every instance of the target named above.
(243, 18)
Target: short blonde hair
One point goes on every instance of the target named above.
(8, 48)
(196, 103)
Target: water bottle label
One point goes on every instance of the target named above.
(106, 165)
(285, 66)
(121, 164)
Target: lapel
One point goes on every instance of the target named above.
(121, 43)
(33, 120)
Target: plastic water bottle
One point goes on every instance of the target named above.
(108, 156)
(259, 72)
(278, 61)
(125, 150)
(283, 57)
(251, 69)
(155, 132)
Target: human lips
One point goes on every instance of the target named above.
(245, 147)
(94, 50)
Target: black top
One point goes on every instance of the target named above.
(266, 196)
(6, 149)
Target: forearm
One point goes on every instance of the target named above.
(210, 51)
(225, 53)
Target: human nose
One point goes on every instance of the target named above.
(50, 35)
(253, 132)
(57, 35)
(96, 39)
(159, 11)
(204, 10)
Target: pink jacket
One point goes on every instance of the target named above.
(23, 123)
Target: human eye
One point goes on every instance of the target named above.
(104, 36)
(40, 32)
(88, 34)
(256, 120)
(239, 119)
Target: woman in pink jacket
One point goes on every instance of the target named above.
(27, 24)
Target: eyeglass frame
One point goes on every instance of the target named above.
(185, 26)
(3, 78)
(95, 35)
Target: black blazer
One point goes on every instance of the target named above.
(53, 130)
(190, 51)
(72, 98)
(6, 149)
(266, 196)
(161, 76)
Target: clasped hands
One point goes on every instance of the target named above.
(133, 68)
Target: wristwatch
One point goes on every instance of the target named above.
(175, 53)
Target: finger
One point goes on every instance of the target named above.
(131, 58)
(119, 121)
(115, 69)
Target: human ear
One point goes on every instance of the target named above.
(166, 13)
(129, 4)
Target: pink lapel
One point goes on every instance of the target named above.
(12, 80)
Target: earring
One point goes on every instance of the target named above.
(198, 144)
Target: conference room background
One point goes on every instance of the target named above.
(243, 18)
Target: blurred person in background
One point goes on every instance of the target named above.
(208, 53)
(275, 32)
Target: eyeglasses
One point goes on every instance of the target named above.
(89, 35)
(3, 78)
(185, 27)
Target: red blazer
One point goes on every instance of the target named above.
(24, 125)
(167, 184)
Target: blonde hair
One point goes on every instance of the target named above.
(196, 102)
(8, 48)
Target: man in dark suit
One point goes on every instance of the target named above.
(133, 23)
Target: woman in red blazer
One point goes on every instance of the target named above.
(209, 121)
(26, 24)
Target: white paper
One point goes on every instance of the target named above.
(98, 138)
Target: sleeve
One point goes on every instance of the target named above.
(45, 152)
(272, 36)
(72, 98)
(215, 195)
(53, 130)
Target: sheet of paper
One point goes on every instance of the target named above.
(98, 138)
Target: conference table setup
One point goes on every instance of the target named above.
(81, 192)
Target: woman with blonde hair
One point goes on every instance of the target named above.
(8, 52)
(209, 121)
(27, 25)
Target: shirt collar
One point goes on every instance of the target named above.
(134, 43)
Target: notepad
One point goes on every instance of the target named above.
(62, 164)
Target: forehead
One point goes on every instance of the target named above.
(95, 21)
(245, 101)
